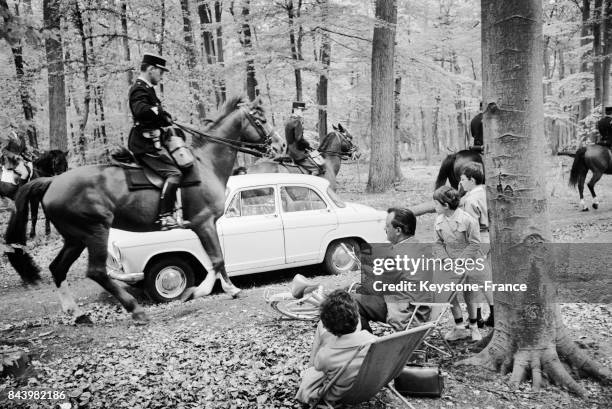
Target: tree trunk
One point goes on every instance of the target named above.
(220, 58)
(247, 44)
(194, 86)
(162, 36)
(607, 50)
(54, 51)
(435, 131)
(84, 111)
(382, 169)
(129, 76)
(597, 50)
(397, 118)
(585, 105)
(208, 40)
(529, 335)
(24, 86)
(295, 41)
(324, 58)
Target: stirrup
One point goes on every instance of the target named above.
(168, 222)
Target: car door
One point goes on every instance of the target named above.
(252, 230)
(307, 219)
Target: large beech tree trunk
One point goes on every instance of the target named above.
(194, 85)
(58, 133)
(607, 51)
(529, 336)
(597, 23)
(382, 170)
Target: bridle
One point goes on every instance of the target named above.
(259, 149)
(343, 155)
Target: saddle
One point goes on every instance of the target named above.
(316, 159)
(142, 177)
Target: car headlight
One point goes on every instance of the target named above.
(117, 252)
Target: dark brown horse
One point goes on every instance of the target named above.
(453, 164)
(86, 202)
(597, 159)
(336, 146)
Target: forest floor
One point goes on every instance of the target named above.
(216, 352)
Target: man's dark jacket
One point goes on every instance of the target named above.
(294, 134)
(604, 126)
(476, 130)
(142, 98)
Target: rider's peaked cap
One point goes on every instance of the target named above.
(608, 110)
(297, 104)
(155, 60)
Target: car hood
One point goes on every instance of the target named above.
(365, 210)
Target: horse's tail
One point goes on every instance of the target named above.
(446, 170)
(578, 167)
(20, 259)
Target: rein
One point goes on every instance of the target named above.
(341, 155)
(250, 148)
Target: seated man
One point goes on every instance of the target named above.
(297, 146)
(396, 309)
(337, 338)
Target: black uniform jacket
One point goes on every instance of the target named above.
(604, 126)
(476, 129)
(294, 134)
(142, 98)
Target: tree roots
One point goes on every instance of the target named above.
(540, 363)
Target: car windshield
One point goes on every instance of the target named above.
(335, 198)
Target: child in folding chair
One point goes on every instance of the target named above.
(337, 340)
(458, 239)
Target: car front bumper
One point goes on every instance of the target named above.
(116, 271)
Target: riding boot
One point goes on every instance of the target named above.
(166, 206)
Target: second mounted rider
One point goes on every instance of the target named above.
(604, 126)
(146, 140)
(297, 146)
(477, 132)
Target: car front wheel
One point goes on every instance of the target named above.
(338, 260)
(167, 278)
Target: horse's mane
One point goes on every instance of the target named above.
(227, 108)
(324, 145)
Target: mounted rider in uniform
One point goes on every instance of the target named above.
(477, 132)
(604, 126)
(145, 140)
(15, 159)
(297, 146)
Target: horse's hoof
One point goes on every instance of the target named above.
(235, 292)
(188, 294)
(83, 320)
(140, 317)
(585, 209)
(595, 206)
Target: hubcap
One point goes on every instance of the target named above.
(342, 260)
(171, 282)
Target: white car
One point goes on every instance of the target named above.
(271, 222)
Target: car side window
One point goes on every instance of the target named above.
(255, 202)
(300, 199)
(233, 210)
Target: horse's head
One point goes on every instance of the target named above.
(256, 130)
(59, 161)
(346, 142)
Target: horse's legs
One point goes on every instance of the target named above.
(594, 179)
(581, 180)
(207, 233)
(33, 216)
(59, 268)
(97, 247)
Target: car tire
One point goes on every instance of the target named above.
(336, 261)
(167, 278)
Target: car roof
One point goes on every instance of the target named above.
(257, 179)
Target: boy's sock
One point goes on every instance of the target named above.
(490, 322)
(459, 322)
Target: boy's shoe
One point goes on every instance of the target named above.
(490, 322)
(475, 333)
(481, 323)
(457, 333)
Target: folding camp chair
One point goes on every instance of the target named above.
(438, 309)
(383, 363)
